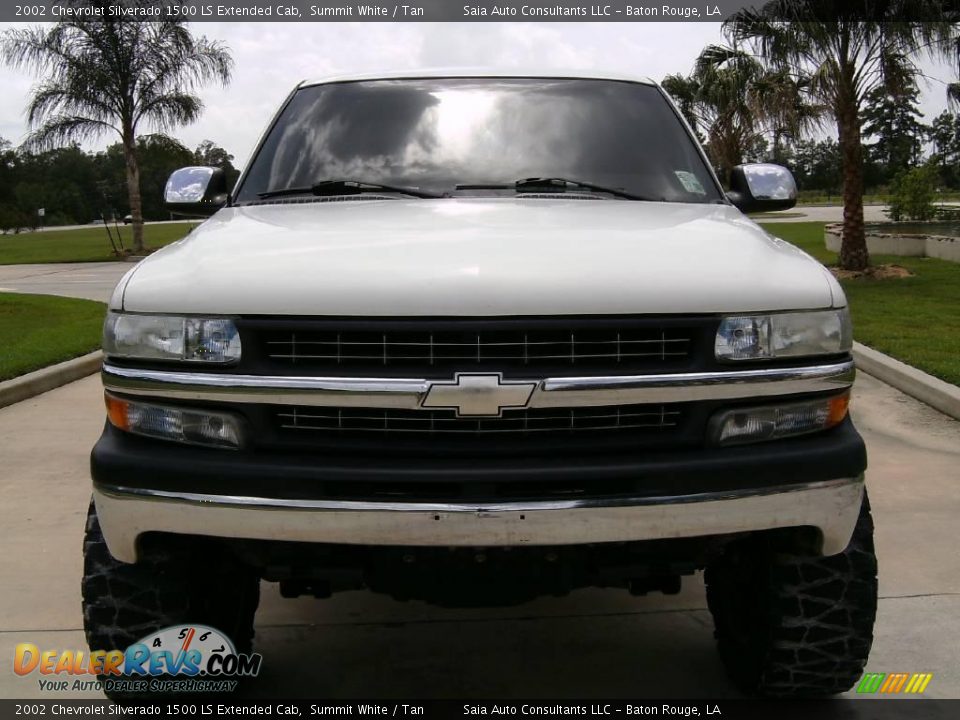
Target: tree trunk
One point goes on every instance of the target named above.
(853, 248)
(133, 189)
(725, 173)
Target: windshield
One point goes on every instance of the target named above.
(436, 134)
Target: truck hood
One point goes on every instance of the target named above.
(477, 257)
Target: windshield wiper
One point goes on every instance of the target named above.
(326, 188)
(552, 184)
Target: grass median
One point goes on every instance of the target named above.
(89, 244)
(41, 330)
(915, 319)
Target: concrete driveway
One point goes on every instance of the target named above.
(54, 228)
(823, 213)
(592, 643)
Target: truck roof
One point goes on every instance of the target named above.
(589, 74)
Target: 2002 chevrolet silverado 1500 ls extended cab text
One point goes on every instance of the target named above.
(474, 338)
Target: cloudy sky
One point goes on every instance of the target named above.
(272, 57)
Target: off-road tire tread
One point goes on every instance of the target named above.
(124, 602)
(790, 624)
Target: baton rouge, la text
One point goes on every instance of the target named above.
(664, 11)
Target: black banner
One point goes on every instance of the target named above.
(420, 10)
(376, 11)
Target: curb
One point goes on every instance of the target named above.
(907, 379)
(48, 378)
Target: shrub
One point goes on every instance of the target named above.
(913, 193)
(13, 220)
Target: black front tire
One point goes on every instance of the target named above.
(177, 584)
(790, 623)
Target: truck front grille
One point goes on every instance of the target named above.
(429, 351)
(304, 421)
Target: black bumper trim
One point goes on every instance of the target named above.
(119, 459)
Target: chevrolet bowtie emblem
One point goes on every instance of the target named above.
(476, 395)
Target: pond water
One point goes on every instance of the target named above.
(948, 229)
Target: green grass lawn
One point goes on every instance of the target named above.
(85, 245)
(40, 330)
(914, 319)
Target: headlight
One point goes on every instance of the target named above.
(772, 422)
(784, 335)
(185, 425)
(166, 337)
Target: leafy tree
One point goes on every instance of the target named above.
(758, 150)
(8, 169)
(844, 51)
(102, 76)
(210, 154)
(945, 134)
(64, 176)
(894, 119)
(12, 219)
(816, 165)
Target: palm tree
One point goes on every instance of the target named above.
(732, 101)
(685, 91)
(844, 50)
(791, 110)
(113, 76)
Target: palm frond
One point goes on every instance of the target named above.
(62, 130)
(170, 110)
(953, 94)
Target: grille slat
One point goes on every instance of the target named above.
(473, 344)
(642, 418)
(567, 356)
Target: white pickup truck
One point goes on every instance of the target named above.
(474, 338)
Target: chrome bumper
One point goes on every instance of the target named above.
(831, 506)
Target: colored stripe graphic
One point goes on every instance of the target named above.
(892, 683)
(918, 683)
(870, 682)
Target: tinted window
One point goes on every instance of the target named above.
(434, 134)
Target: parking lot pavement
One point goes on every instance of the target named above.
(592, 643)
(92, 281)
(55, 228)
(823, 213)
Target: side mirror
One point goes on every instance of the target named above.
(762, 186)
(196, 191)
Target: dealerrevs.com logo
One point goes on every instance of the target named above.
(179, 658)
